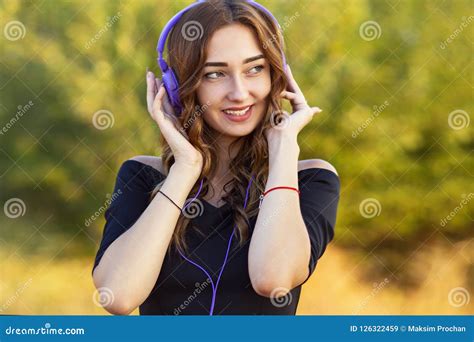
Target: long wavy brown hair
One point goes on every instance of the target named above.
(187, 58)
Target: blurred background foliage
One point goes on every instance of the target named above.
(399, 87)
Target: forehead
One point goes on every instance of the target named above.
(233, 43)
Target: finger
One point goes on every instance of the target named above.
(159, 114)
(162, 117)
(292, 85)
(302, 117)
(310, 111)
(297, 101)
(315, 110)
(156, 111)
(289, 95)
(150, 90)
(167, 107)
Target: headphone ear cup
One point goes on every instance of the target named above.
(171, 85)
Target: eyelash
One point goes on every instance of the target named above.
(219, 72)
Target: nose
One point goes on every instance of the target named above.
(238, 91)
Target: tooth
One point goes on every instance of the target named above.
(237, 113)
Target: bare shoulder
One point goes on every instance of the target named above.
(316, 163)
(152, 161)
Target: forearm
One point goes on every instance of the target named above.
(131, 264)
(280, 247)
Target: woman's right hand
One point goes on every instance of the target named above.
(185, 154)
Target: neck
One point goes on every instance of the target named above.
(225, 154)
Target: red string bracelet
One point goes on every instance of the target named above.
(276, 188)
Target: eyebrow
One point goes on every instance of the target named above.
(245, 61)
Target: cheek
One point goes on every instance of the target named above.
(212, 115)
(262, 90)
(263, 87)
(210, 95)
(203, 94)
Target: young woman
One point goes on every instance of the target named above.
(190, 232)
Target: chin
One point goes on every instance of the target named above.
(237, 133)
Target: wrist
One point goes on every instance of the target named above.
(193, 170)
(285, 145)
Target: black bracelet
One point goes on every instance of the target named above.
(177, 206)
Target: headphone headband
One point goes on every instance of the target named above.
(169, 78)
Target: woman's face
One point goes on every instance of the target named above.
(235, 82)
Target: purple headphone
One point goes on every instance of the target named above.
(170, 81)
(171, 84)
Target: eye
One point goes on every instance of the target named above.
(213, 75)
(256, 69)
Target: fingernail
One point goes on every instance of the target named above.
(317, 110)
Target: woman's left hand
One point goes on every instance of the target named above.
(287, 125)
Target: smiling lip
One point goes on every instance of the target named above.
(237, 108)
(238, 118)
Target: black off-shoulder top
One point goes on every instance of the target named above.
(182, 288)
